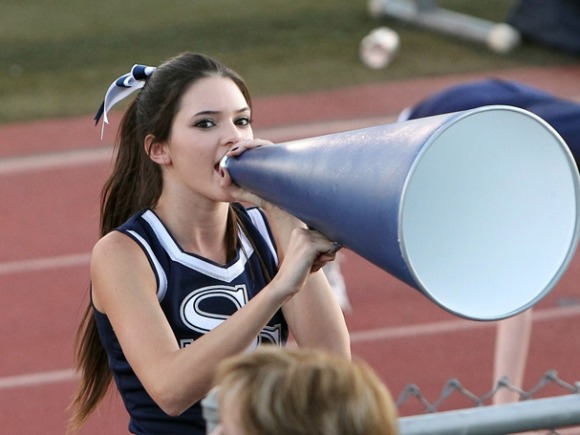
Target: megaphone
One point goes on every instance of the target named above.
(478, 210)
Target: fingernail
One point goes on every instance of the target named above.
(335, 248)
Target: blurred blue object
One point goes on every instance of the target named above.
(555, 23)
(563, 115)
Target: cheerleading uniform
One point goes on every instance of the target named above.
(196, 296)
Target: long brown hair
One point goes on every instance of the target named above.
(136, 183)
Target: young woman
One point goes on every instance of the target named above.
(184, 276)
(307, 392)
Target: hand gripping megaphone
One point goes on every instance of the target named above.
(478, 210)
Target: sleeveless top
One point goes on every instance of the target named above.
(196, 296)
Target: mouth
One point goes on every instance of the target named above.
(221, 164)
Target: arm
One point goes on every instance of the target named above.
(313, 315)
(124, 288)
(511, 353)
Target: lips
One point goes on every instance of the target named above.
(218, 163)
(219, 166)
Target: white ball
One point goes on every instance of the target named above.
(379, 47)
(503, 38)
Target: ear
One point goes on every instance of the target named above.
(156, 151)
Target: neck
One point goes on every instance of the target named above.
(199, 229)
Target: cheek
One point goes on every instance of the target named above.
(192, 156)
(246, 133)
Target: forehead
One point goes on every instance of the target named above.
(213, 93)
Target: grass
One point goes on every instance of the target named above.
(58, 57)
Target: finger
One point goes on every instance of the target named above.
(335, 248)
(244, 145)
(325, 257)
(316, 265)
(321, 261)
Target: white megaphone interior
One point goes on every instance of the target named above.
(489, 216)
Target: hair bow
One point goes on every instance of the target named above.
(122, 88)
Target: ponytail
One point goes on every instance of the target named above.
(134, 183)
(96, 375)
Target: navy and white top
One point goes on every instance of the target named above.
(196, 295)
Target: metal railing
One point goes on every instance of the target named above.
(549, 414)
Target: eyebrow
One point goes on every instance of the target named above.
(215, 112)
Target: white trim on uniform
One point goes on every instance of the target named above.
(226, 274)
(260, 224)
(161, 276)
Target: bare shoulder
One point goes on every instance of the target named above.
(116, 247)
(117, 262)
(113, 242)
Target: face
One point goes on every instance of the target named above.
(213, 116)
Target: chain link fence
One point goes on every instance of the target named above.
(543, 415)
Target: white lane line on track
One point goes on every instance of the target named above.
(60, 159)
(35, 379)
(378, 334)
(425, 329)
(79, 157)
(46, 263)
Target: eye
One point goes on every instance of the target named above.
(204, 123)
(244, 121)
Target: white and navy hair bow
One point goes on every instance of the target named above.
(122, 88)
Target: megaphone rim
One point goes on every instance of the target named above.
(452, 119)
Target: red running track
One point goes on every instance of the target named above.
(51, 173)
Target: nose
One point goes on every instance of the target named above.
(234, 133)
